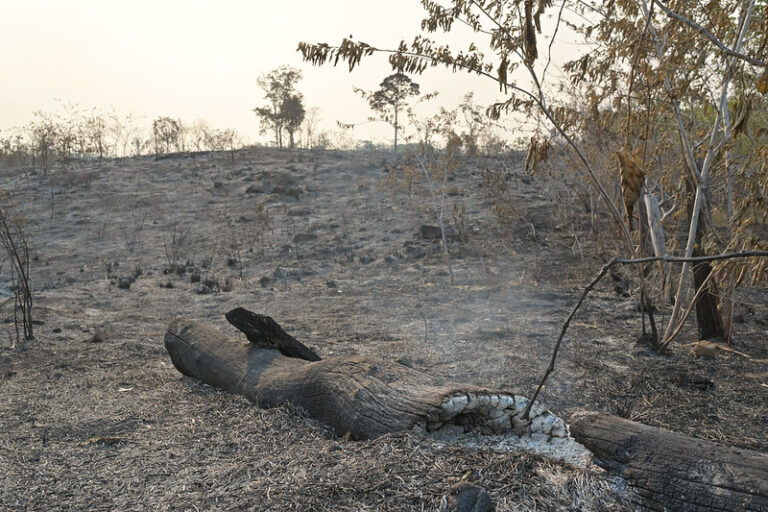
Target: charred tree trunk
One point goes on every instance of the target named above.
(363, 396)
(673, 472)
(708, 318)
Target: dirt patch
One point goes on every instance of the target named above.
(95, 417)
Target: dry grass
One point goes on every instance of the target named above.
(154, 440)
(111, 425)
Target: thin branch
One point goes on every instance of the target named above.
(703, 31)
(684, 137)
(552, 41)
(602, 273)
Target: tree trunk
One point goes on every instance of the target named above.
(673, 472)
(658, 239)
(708, 318)
(363, 396)
(396, 108)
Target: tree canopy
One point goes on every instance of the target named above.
(390, 98)
(282, 111)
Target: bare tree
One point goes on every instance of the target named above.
(309, 127)
(94, 128)
(14, 243)
(222, 140)
(43, 133)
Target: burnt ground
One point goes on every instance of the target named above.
(94, 416)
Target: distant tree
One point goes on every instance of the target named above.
(223, 140)
(474, 121)
(123, 132)
(391, 98)
(309, 127)
(279, 85)
(94, 127)
(15, 149)
(198, 132)
(44, 134)
(165, 132)
(292, 111)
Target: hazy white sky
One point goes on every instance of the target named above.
(198, 59)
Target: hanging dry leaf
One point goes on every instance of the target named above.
(632, 178)
(743, 110)
(762, 83)
(531, 53)
(530, 164)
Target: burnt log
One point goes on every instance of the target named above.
(263, 329)
(673, 472)
(361, 396)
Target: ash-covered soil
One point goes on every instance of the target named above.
(94, 416)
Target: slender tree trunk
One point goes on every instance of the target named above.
(396, 108)
(708, 318)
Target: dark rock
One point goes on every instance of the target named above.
(287, 191)
(428, 232)
(695, 381)
(203, 290)
(466, 497)
(125, 282)
(258, 189)
(98, 337)
(280, 273)
(304, 237)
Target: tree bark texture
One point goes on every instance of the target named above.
(673, 472)
(708, 318)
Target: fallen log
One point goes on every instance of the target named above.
(362, 396)
(673, 472)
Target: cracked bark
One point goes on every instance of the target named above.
(673, 472)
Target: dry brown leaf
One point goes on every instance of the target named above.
(762, 83)
(632, 179)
